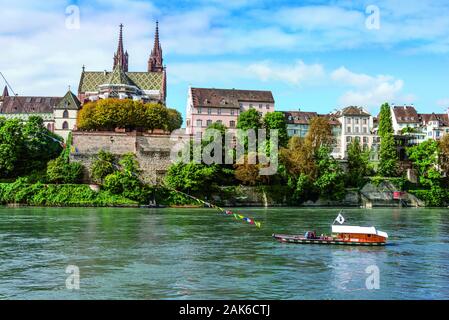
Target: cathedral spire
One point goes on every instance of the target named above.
(155, 62)
(121, 57)
(5, 92)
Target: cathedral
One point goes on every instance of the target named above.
(60, 113)
(147, 86)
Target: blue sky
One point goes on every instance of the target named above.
(313, 55)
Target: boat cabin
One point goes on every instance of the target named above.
(359, 234)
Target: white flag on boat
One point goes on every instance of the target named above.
(340, 219)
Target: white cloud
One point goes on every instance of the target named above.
(369, 91)
(444, 103)
(294, 74)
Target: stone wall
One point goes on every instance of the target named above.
(152, 150)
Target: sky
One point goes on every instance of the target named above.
(313, 55)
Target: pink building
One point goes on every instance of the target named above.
(206, 106)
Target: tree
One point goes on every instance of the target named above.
(424, 157)
(298, 158)
(108, 114)
(330, 180)
(358, 164)
(250, 119)
(388, 164)
(385, 121)
(443, 156)
(174, 119)
(60, 171)
(276, 121)
(103, 166)
(319, 134)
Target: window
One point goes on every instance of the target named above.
(188, 123)
(232, 112)
(365, 121)
(356, 129)
(38, 100)
(365, 139)
(260, 106)
(219, 111)
(65, 125)
(28, 99)
(250, 105)
(357, 121)
(209, 111)
(209, 122)
(200, 110)
(348, 129)
(199, 123)
(267, 106)
(365, 130)
(357, 139)
(232, 123)
(348, 120)
(241, 105)
(219, 121)
(65, 114)
(348, 139)
(49, 126)
(260, 114)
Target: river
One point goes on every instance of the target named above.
(199, 254)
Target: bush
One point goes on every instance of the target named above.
(103, 166)
(108, 114)
(435, 197)
(39, 194)
(59, 171)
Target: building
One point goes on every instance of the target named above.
(404, 117)
(434, 125)
(298, 122)
(147, 86)
(206, 106)
(356, 124)
(59, 113)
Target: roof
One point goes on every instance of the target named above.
(229, 98)
(90, 80)
(353, 111)
(299, 117)
(69, 101)
(336, 228)
(405, 114)
(118, 76)
(443, 118)
(28, 104)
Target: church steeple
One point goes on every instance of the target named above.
(5, 92)
(155, 62)
(121, 56)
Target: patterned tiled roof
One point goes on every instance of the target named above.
(405, 114)
(69, 101)
(90, 80)
(229, 98)
(19, 104)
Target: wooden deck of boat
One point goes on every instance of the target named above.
(296, 239)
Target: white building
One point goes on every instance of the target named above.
(59, 113)
(356, 124)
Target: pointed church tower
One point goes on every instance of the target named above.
(121, 57)
(5, 92)
(155, 62)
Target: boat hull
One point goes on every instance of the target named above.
(334, 241)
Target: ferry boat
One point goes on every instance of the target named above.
(341, 234)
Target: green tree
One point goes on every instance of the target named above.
(103, 166)
(330, 180)
(249, 119)
(193, 178)
(358, 164)
(174, 119)
(424, 157)
(388, 164)
(60, 171)
(276, 121)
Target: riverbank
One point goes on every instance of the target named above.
(371, 195)
(59, 195)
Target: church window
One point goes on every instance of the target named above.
(65, 114)
(65, 125)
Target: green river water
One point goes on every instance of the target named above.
(199, 254)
